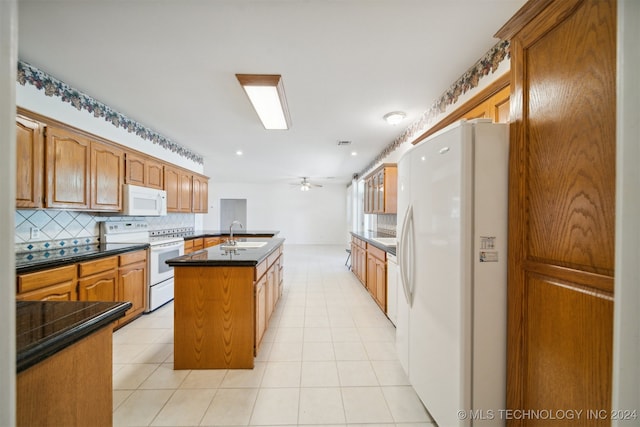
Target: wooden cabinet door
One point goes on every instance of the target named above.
(29, 163)
(185, 192)
(107, 176)
(381, 284)
(99, 287)
(68, 159)
(270, 287)
(390, 190)
(154, 174)
(200, 194)
(135, 167)
(371, 276)
(132, 287)
(172, 187)
(261, 310)
(562, 208)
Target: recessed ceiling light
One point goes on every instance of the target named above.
(239, 153)
(266, 93)
(353, 153)
(394, 117)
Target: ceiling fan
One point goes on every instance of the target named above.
(305, 185)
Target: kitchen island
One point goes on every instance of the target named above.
(223, 299)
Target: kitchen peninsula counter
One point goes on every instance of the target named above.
(64, 362)
(223, 299)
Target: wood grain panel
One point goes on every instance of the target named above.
(214, 318)
(564, 324)
(70, 388)
(154, 174)
(67, 166)
(30, 163)
(561, 208)
(572, 179)
(134, 169)
(107, 177)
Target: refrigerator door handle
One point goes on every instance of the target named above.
(405, 256)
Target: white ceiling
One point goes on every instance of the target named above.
(171, 66)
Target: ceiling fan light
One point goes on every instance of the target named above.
(394, 117)
(266, 94)
(305, 187)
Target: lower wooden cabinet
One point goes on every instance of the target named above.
(98, 280)
(193, 245)
(377, 275)
(267, 290)
(369, 264)
(132, 283)
(114, 278)
(212, 241)
(261, 311)
(55, 284)
(359, 259)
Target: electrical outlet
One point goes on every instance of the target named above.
(35, 233)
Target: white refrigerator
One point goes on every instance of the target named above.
(452, 253)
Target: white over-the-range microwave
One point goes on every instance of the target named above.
(144, 201)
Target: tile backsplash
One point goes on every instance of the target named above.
(59, 228)
(387, 224)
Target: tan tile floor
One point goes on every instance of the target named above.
(328, 358)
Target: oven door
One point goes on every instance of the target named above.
(158, 254)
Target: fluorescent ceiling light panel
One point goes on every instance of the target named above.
(266, 93)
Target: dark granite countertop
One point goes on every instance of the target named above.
(56, 257)
(236, 232)
(217, 256)
(368, 236)
(43, 328)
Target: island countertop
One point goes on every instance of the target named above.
(45, 327)
(217, 256)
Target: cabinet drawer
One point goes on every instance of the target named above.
(188, 244)
(198, 243)
(211, 241)
(133, 257)
(41, 279)
(376, 252)
(273, 257)
(261, 269)
(97, 266)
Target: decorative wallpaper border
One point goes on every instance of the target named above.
(28, 74)
(487, 64)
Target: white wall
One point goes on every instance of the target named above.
(312, 217)
(626, 339)
(8, 55)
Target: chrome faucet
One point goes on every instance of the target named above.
(231, 241)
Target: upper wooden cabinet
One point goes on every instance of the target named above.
(186, 191)
(60, 167)
(381, 190)
(30, 163)
(82, 174)
(144, 171)
(68, 159)
(107, 175)
(200, 194)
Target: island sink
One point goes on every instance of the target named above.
(243, 245)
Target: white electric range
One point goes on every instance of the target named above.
(163, 245)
